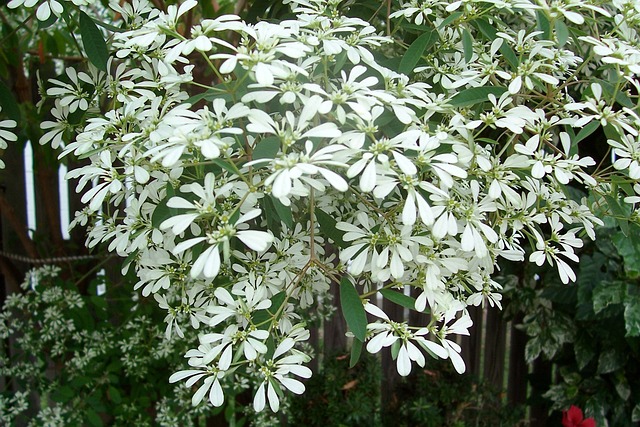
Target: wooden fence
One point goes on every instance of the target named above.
(494, 352)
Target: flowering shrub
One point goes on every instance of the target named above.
(242, 169)
(72, 359)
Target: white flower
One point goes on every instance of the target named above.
(6, 134)
(278, 369)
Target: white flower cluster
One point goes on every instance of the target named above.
(6, 134)
(229, 204)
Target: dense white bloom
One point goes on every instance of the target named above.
(301, 158)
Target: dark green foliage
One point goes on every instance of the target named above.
(590, 331)
(436, 396)
(440, 397)
(339, 396)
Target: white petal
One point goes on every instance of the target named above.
(274, 402)
(259, 399)
(255, 240)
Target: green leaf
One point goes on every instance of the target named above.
(635, 415)
(450, 19)
(490, 31)
(543, 24)
(606, 294)
(266, 148)
(622, 387)
(261, 317)
(584, 351)
(414, 53)
(610, 360)
(43, 25)
(562, 32)
(284, 212)
(532, 349)
(276, 302)
(619, 213)
(62, 394)
(115, 395)
(476, 95)
(356, 351)
(399, 298)
(608, 90)
(586, 131)
(93, 418)
(467, 45)
(629, 248)
(94, 45)
(110, 27)
(328, 227)
(162, 211)
(225, 165)
(8, 103)
(632, 314)
(352, 309)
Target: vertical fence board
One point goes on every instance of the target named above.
(334, 329)
(472, 344)
(517, 381)
(494, 348)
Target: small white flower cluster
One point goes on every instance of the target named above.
(230, 204)
(6, 134)
(46, 8)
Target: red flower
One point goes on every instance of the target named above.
(574, 418)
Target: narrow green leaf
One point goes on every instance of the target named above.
(476, 95)
(562, 32)
(8, 103)
(352, 309)
(162, 211)
(224, 165)
(619, 213)
(450, 19)
(414, 53)
(276, 301)
(284, 212)
(467, 45)
(621, 98)
(266, 148)
(328, 227)
(586, 131)
(420, 28)
(356, 351)
(489, 31)
(94, 45)
(399, 298)
(110, 27)
(543, 24)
